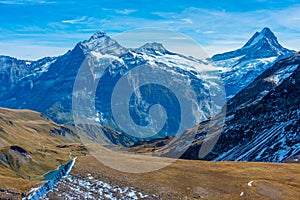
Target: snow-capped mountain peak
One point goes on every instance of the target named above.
(152, 48)
(263, 44)
(101, 42)
(267, 35)
(97, 35)
(240, 67)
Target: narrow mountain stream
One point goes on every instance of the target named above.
(53, 178)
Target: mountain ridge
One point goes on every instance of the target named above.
(52, 88)
(265, 40)
(264, 126)
(240, 67)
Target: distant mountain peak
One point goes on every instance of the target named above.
(240, 67)
(263, 44)
(155, 45)
(152, 47)
(97, 35)
(267, 31)
(96, 38)
(267, 35)
(102, 43)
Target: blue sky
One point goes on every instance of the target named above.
(32, 29)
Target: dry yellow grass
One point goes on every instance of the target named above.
(187, 179)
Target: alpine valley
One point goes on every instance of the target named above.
(258, 119)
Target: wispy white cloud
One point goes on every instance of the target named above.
(118, 11)
(160, 14)
(215, 30)
(79, 20)
(125, 11)
(288, 18)
(187, 20)
(178, 38)
(206, 32)
(31, 29)
(30, 51)
(221, 30)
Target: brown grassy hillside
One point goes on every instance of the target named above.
(30, 146)
(190, 179)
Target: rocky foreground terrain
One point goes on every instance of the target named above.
(184, 179)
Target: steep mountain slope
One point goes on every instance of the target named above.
(262, 122)
(30, 146)
(153, 59)
(240, 67)
(13, 71)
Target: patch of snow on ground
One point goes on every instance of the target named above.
(250, 183)
(283, 74)
(268, 60)
(45, 67)
(174, 61)
(224, 65)
(73, 187)
(106, 56)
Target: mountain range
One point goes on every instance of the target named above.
(255, 79)
(47, 84)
